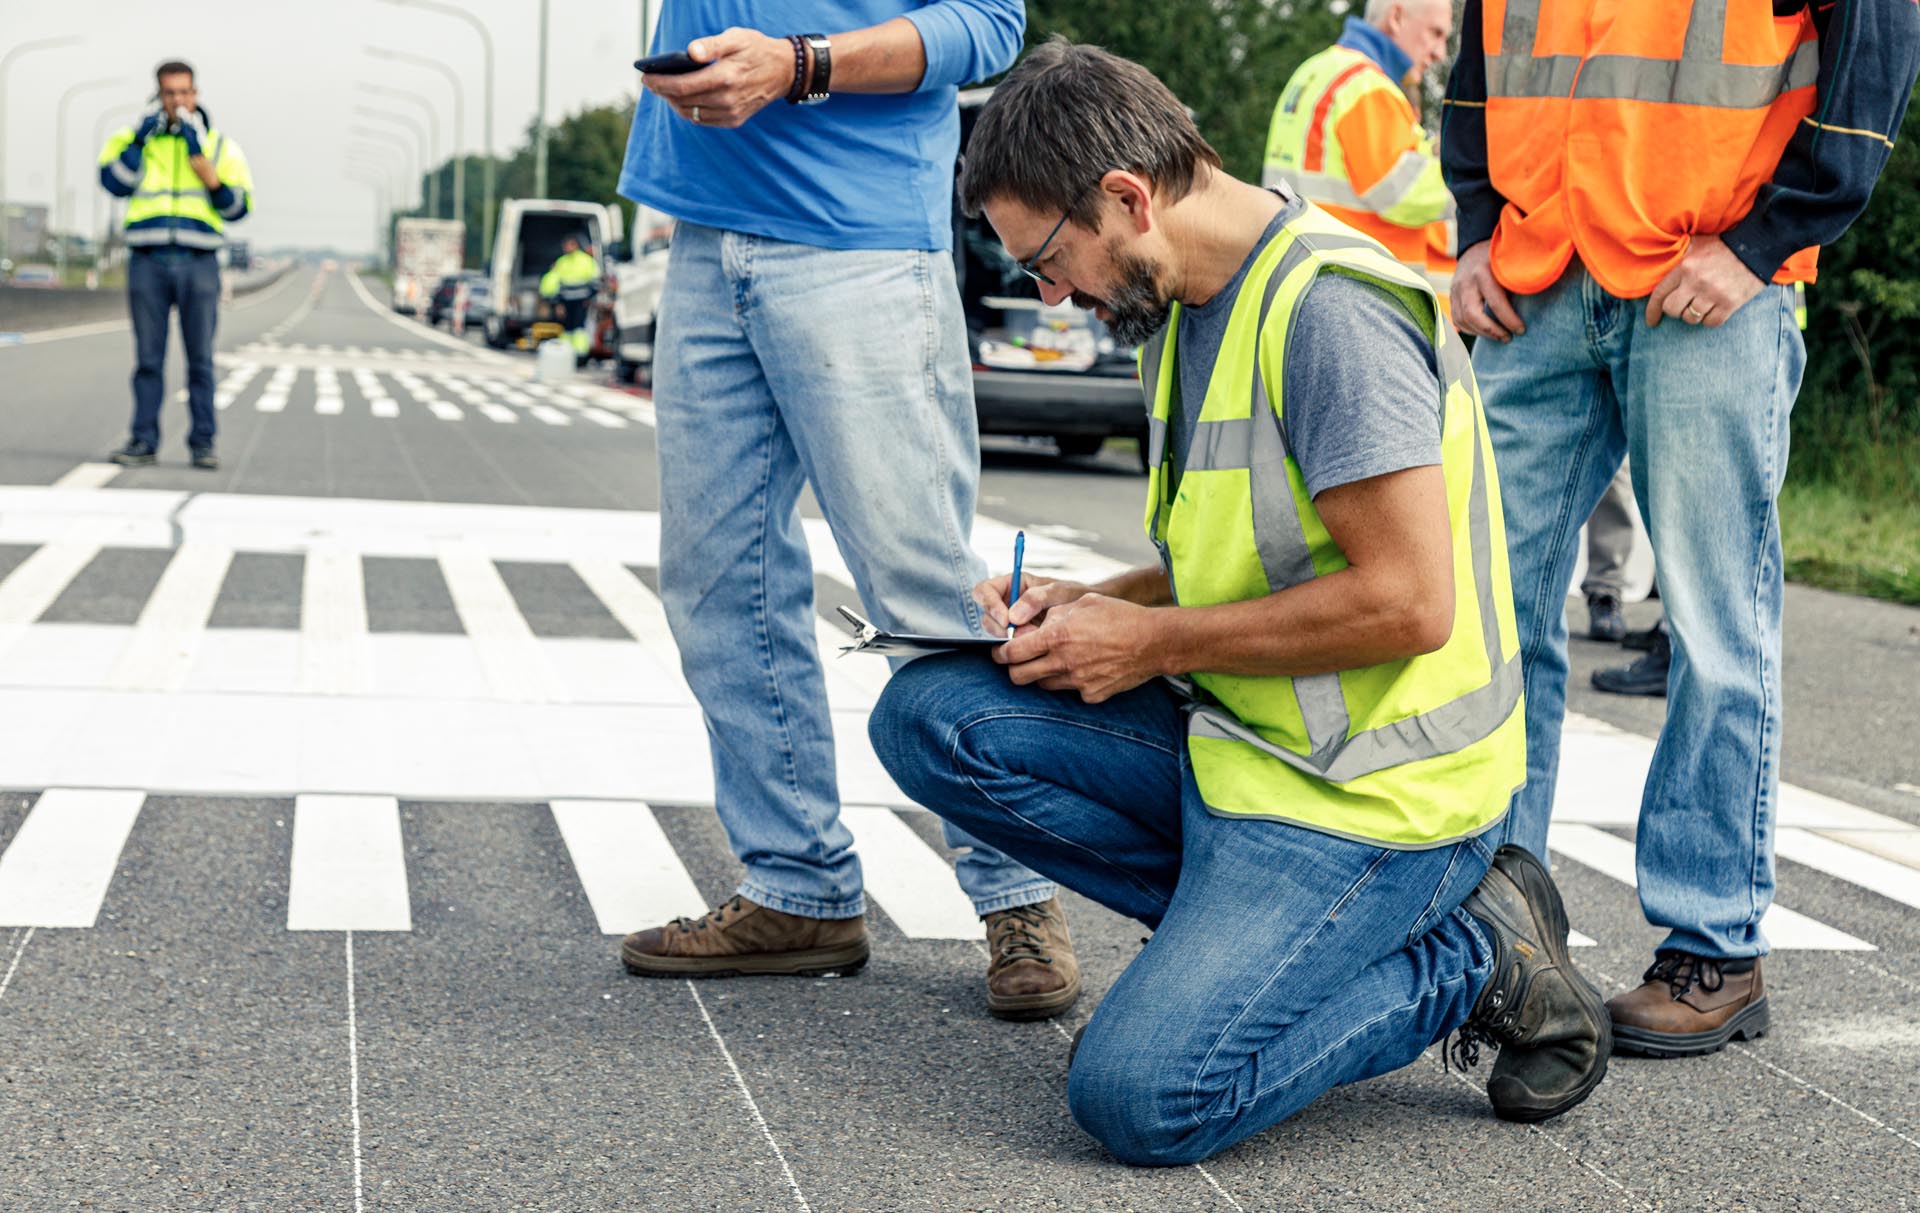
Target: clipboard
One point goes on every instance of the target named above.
(870, 639)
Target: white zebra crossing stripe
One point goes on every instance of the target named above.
(1613, 856)
(632, 876)
(333, 618)
(516, 669)
(602, 417)
(349, 869)
(61, 861)
(549, 414)
(912, 883)
(161, 651)
(1891, 880)
(636, 608)
(445, 410)
(496, 412)
(87, 476)
(32, 587)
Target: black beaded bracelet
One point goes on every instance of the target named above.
(799, 87)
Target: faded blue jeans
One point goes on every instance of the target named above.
(781, 365)
(1701, 415)
(1284, 961)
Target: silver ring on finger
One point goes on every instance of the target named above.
(696, 115)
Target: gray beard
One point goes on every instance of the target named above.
(1136, 306)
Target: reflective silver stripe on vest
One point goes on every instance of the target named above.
(1281, 540)
(185, 237)
(123, 174)
(1698, 77)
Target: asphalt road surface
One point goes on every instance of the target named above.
(331, 777)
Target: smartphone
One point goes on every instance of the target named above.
(674, 63)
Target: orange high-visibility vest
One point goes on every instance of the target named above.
(1620, 129)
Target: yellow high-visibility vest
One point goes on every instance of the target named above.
(170, 205)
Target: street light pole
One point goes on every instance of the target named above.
(429, 143)
(459, 119)
(486, 49)
(374, 182)
(6, 61)
(60, 167)
(540, 115)
(391, 140)
(102, 127)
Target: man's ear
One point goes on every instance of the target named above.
(1134, 193)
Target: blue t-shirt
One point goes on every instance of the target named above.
(858, 171)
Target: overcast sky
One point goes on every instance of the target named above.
(280, 75)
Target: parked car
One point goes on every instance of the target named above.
(1053, 372)
(479, 292)
(630, 302)
(34, 275)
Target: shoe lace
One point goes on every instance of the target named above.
(1462, 1047)
(1014, 937)
(1682, 972)
(715, 917)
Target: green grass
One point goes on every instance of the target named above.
(1838, 539)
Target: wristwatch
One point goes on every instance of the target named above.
(822, 68)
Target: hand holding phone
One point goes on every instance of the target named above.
(673, 63)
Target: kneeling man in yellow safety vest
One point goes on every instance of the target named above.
(1345, 137)
(1282, 746)
(571, 284)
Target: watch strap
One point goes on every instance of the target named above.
(818, 86)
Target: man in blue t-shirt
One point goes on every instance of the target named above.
(811, 334)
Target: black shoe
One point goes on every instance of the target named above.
(1646, 676)
(1552, 1027)
(1604, 619)
(203, 457)
(133, 455)
(1643, 641)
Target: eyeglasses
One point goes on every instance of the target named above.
(1031, 266)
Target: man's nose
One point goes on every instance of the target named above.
(1055, 294)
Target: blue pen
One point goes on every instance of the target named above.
(1019, 551)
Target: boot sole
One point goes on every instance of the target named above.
(842, 961)
(136, 461)
(1542, 894)
(1750, 1023)
(1022, 1007)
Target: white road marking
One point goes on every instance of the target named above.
(636, 608)
(349, 869)
(497, 412)
(602, 417)
(1902, 846)
(913, 884)
(168, 632)
(631, 874)
(87, 476)
(333, 623)
(61, 861)
(353, 1080)
(33, 586)
(1891, 880)
(445, 410)
(1612, 856)
(549, 414)
(515, 667)
(13, 966)
(739, 1081)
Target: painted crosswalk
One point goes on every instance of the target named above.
(390, 390)
(547, 675)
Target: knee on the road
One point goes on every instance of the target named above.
(1126, 1093)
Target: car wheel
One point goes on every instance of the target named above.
(496, 334)
(1079, 446)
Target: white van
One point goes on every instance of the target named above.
(532, 232)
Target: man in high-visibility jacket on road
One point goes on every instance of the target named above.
(184, 182)
(1299, 818)
(572, 283)
(1345, 136)
(1641, 185)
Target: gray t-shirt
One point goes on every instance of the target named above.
(1363, 396)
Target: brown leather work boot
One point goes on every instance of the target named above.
(1690, 1005)
(739, 938)
(1033, 973)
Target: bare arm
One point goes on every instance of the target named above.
(749, 70)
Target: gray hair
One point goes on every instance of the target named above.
(1068, 115)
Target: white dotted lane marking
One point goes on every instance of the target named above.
(15, 963)
(1829, 1096)
(753, 1107)
(353, 1082)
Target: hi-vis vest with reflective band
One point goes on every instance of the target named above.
(572, 278)
(170, 204)
(1392, 191)
(1412, 753)
(1621, 128)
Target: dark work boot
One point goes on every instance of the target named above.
(205, 459)
(1646, 676)
(133, 455)
(1690, 1005)
(1605, 621)
(1551, 1026)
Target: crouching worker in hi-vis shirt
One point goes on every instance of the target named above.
(1281, 747)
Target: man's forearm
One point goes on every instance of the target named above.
(1146, 586)
(884, 58)
(1344, 621)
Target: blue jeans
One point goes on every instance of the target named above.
(157, 282)
(780, 365)
(1702, 416)
(1284, 961)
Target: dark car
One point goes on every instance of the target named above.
(1039, 371)
(479, 295)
